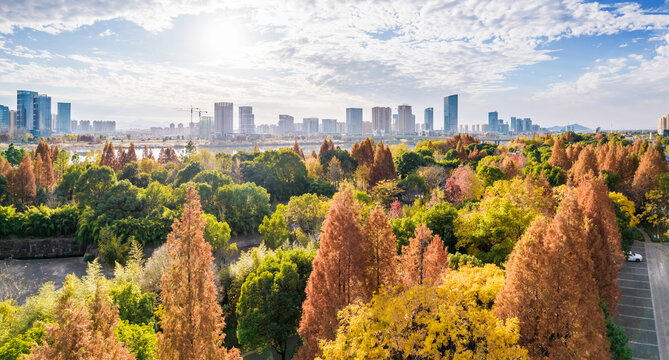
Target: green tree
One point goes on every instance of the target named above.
(188, 173)
(121, 200)
(133, 305)
(273, 230)
(217, 234)
(92, 183)
(489, 174)
(306, 212)
(243, 206)
(13, 155)
(139, 339)
(269, 308)
(408, 162)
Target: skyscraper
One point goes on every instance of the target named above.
(381, 123)
(4, 119)
(42, 115)
(223, 118)
(527, 124)
(286, 124)
(451, 114)
(428, 119)
(64, 117)
(25, 110)
(246, 120)
(405, 120)
(310, 125)
(354, 121)
(206, 126)
(493, 120)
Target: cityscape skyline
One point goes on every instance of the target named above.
(601, 65)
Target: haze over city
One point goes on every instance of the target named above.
(596, 64)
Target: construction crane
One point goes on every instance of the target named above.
(193, 110)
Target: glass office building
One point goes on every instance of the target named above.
(354, 121)
(429, 119)
(64, 118)
(25, 110)
(451, 114)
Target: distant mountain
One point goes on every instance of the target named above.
(572, 127)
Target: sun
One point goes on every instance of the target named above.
(222, 39)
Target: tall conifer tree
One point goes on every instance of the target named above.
(339, 276)
(192, 324)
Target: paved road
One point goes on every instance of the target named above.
(658, 268)
(643, 309)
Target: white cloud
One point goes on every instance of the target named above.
(325, 54)
(106, 33)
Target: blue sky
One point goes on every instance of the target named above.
(137, 61)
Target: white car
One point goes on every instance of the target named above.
(634, 257)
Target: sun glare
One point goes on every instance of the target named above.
(222, 40)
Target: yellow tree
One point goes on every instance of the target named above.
(449, 321)
(192, 324)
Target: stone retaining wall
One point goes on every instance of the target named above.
(40, 248)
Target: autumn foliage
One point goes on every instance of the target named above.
(383, 167)
(339, 276)
(652, 165)
(192, 324)
(382, 248)
(82, 333)
(424, 260)
(549, 289)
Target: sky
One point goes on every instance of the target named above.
(599, 64)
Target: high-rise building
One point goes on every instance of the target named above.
(527, 124)
(310, 125)
(64, 117)
(428, 119)
(206, 127)
(329, 126)
(493, 120)
(100, 126)
(246, 120)
(663, 125)
(394, 126)
(286, 124)
(513, 124)
(381, 120)
(12, 121)
(223, 118)
(4, 119)
(354, 121)
(451, 114)
(405, 120)
(25, 110)
(42, 115)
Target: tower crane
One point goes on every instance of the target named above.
(193, 110)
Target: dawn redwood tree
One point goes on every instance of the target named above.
(23, 187)
(549, 289)
(147, 153)
(108, 157)
(382, 250)
(424, 260)
(652, 165)
(131, 154)
(364, 152)
(192, 324)
(82, 333)
(326, 147)
(167, 155)
(559, 155)
(297, 150)
(586, 165)
(45, 168)
(383, 167)
(604, 238)
(339, 274)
